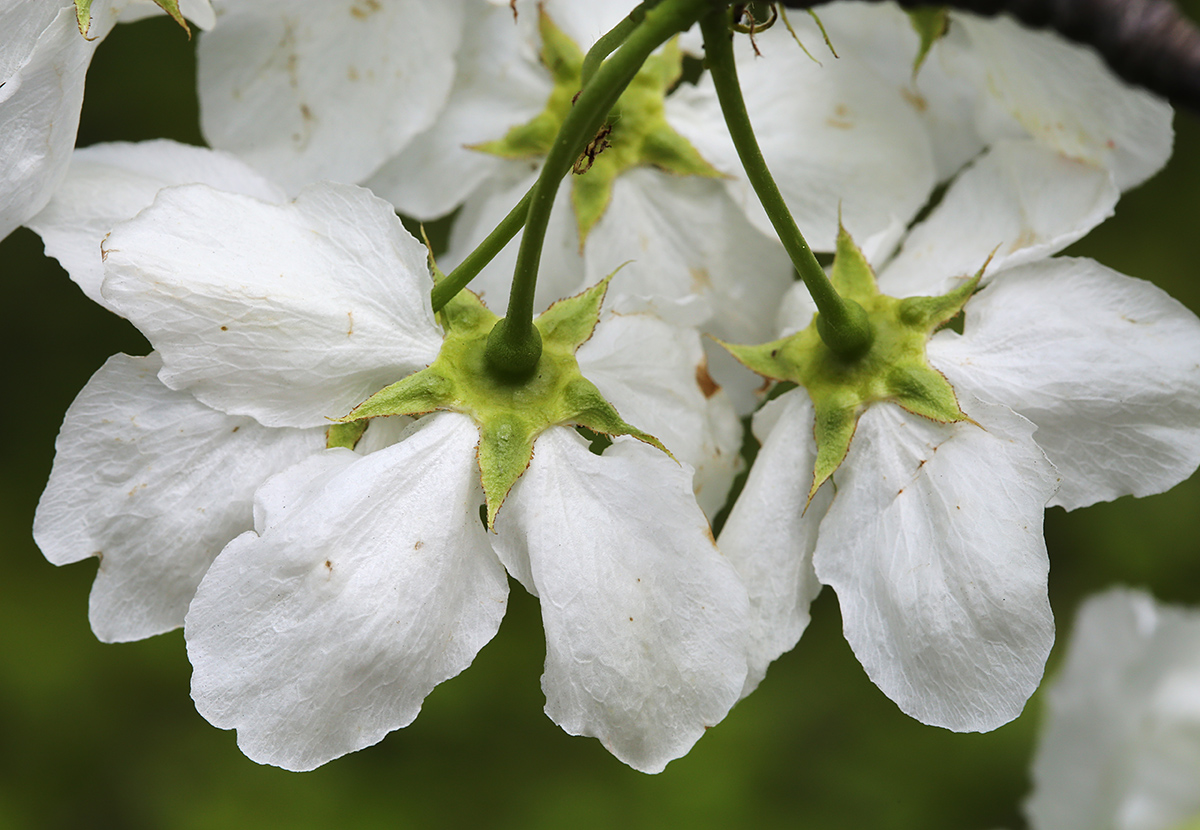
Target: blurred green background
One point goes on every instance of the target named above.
(97, 736)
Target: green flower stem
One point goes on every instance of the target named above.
(610, 40)
(514, 346)
(475, 262)
(842, 323)
(469, 268)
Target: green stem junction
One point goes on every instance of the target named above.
(514, 345)
(841, 322)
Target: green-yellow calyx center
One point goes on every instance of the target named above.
(637, 133)
(510, 413)
(894, 368)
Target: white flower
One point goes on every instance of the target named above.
(931, 532)
(368, 578)
(669, 214)
(324, 88)
(1120, 747)
(43, 61)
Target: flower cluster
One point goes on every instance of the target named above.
(331, 462)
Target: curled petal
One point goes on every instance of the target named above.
(653, 372)
(109, 183)
(369, 582)
(1064, 96)
(329, 91)
(771, 532)
(291, 314)
(153, 483)
(646, 623)
(1108, 368)
(1018, 203)
(934, 545)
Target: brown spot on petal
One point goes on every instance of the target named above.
(418, 545)
(364, 9)
(705, 381)
(915, 99)
(224, 328)
(328, 565)
(840, 118)
(701, 281)
(235, 429)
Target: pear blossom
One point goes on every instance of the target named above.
(324, 89)
(364, 576)
(1120, 744)
(43, 60)
(656, 198)
(930, 532)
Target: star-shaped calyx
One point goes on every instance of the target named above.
(510, 414)
(893, 369)
(636, 134)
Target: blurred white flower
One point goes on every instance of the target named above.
(1120, 746)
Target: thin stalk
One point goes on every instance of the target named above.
(478, 259)
(842, 323)
(610, 40)
(515, 345)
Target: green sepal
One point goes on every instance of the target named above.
(171, 7)
(851, 275)
(345, 434)
(932, 312)
(420, 392)
(834, 422)
(505, 450)
(564, 59)
(931, 24)
(637, 133)
(83, 17)
(924, 391)
(893, 369)
(593, 412)
(569, 322)
(1192, 823)
(771, 360)
(466, 314)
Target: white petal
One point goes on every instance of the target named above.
(881, 36)
(683, 238)
(39, 114)
(772, 530)
(851, 139)
(21, 23)
(934, 546)
(109, 183)
(328, 91)
(291, 314)
(584, 23)
(1121, 743)
(500, 84)
(646, 623)
(1021, 201)
(652, 372)
(1107, 366)
(372, 581)
(154, 484)
(1066, 98)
